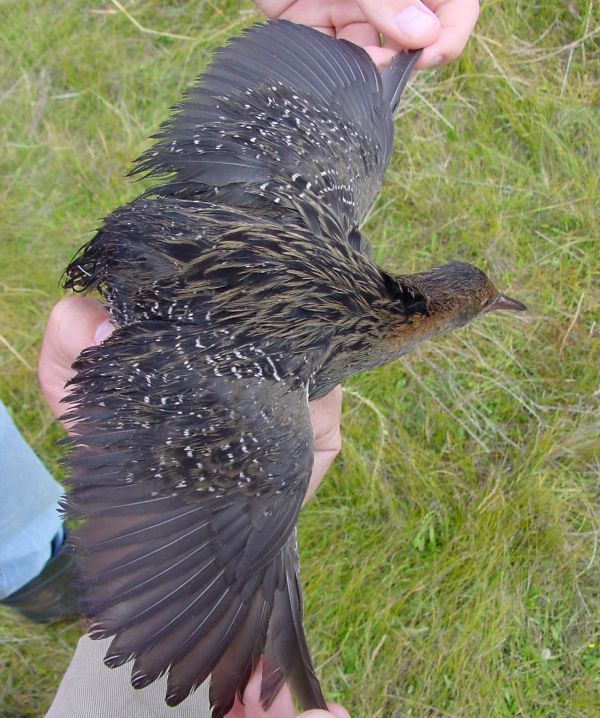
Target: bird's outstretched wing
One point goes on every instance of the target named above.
(189, 466)
(284, 118)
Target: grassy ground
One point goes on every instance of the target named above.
(450, 560)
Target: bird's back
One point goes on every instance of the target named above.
(215, 267)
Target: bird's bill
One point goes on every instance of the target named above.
(502, 302)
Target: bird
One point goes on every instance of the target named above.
(241, 288)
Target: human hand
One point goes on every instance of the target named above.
(75, 323)
(282, 706)
(441, 27)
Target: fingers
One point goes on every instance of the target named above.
(404, 23)
(250, 707)
(75, 323)
(335, 711)
(325, 414)
(441, 27)
(458, 18)
(360, 33)
(338, 711)
(283, 706)
(365, 35)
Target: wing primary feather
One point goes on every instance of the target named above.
(195, 666)
(287, 654)
(395, 76)
(231, 675)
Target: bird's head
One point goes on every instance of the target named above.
(457, 292)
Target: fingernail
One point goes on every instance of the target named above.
(414, 22)
(103, 330)
(437, 61)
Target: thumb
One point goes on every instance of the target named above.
(75, 323)
(404, 23)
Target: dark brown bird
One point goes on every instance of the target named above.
(241, 288)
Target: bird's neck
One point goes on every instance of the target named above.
(371, 341)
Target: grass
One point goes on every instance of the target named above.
(450, 560)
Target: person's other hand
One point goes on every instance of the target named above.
(282, 706)
(441, 27)
(75, 323)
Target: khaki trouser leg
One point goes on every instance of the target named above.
(91, 690)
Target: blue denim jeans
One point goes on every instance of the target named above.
(29, 517)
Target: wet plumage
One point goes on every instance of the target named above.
(241, 287)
